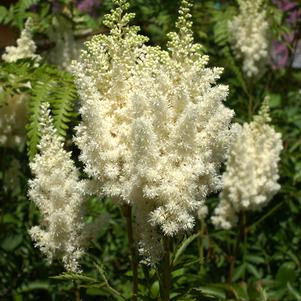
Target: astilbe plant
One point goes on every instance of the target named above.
(25, 48)
(250, 179)
(59, 195)
(153, 135)
(154, 128)
(14, 110)
(248, 31)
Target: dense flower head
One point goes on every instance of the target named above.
(154, 128)
(58, 193)
(248, 33)
(25, 48)
(250, 179)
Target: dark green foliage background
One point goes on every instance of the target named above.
(267, 262)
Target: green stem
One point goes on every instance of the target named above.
(201, 247)
(165, 275)
(106, 283)
(233, 257)
(264, 217)
(134, 263)
(76, 291)
(250, 85)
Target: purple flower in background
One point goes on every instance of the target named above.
(279, 55)
(34, 8)
(87, 5)
(285, 5)
(280, 52)
(56, 6)
(297, 57)
(294, 16)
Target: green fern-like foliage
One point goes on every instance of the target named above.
(57, 88)
(221, 20)
(41, 91)
(63, 102)
(17, 13)
(45, 83)
(15, 78)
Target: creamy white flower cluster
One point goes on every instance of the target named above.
(13, 113)
(250, 179)
(25, 48)
(154, 128)
(248, 34)
(58, 193)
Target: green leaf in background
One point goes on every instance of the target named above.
(34, 285)
(212, 291)
(253, 270)
(186, 242)
(286, 273)
(241, 291)
(293, 292)
(274, 100)
(10, 243)
(239, 272)
(155, 289)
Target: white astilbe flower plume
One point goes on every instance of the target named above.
(248, 33)
(250, 179)
(57, 192)
(154, 128)
(25, 48)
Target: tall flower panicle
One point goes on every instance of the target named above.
(154, 128)
(25, 48)
(58, 193)
(250, 179)
(248, 32)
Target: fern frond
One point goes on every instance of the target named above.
(63, 103)
(235, 69)
(41, 92)
(20, 11)
(75, 277)
(57, 88)
(220, 29)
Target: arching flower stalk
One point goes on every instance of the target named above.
(250, 179)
